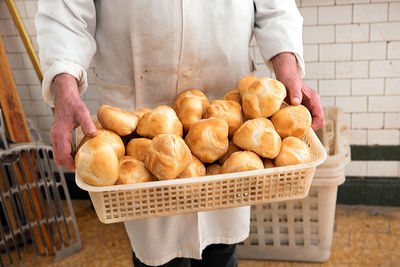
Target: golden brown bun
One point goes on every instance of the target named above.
(98, 125)
(84, 140)
(242, 161)
(259, 136)
(268, 163)
(117, 120)
(113, 138)
(195, 169)
(294, 151)
(162, 120)
(137, 148)
(292, 121)
(140, 112)
(233, 95)
(168, 156)
(132, 171)
(263, 98)
(208, 139)
(213, 169)
(229, 110)
(97, 163)
(284, 105)
(190, 107)
(232, 148)
(245, 83)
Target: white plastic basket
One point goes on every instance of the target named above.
(295, 230)
(119, 203)
(301, 230)
(335, 137)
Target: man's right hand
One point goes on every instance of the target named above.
(70, 112)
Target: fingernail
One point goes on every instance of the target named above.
(92, 133)
(296, 100)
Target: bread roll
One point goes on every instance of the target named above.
(213, 169)
(140, 112)
(111, 137)
(117, 120)
(208, 139)
(229, 110)
(232, 148)
(98, 125)
(168, 156)
(162, 120)
(190, 107)
(268, 163)
(137, 148)
(242, 161)
(245, 83)
(259, 136)
(292, 121)
(294, 151)
(97, 163)
(195, 169)
(263, 98)
(284, 105)
(132, 171)
(233, 95)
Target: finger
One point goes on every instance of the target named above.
(55, 153)
(84, 119)
(294, 87)
(318, 122)
(61, 141)
(317, 113)
(313, 103)
(65, 156)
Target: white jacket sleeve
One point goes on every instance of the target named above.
(278, 28)
(65, 31)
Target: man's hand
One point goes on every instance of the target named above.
(285, 67)
(70, 112)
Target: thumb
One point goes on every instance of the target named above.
(87, 125)
(294, 90)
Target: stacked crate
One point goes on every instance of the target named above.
(301, 230)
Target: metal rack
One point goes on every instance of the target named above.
(50, 190)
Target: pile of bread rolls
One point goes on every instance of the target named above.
(250, 128)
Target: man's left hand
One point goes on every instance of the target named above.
(285, 67)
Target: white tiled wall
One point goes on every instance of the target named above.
(24, 75)
(352, 53)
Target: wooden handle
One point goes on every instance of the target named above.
(25, 38)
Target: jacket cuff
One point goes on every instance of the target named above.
(62, 67)
(299, 59)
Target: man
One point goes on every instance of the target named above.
(145, 54)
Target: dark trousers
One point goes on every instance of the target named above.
(216, 255)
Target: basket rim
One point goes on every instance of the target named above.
(318, 148)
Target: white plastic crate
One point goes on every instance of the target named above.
(301, 230)
(335, 137)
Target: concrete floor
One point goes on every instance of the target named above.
(363, 236)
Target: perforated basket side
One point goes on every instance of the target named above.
(327, 136)
(339, 150)
(345, 135)
(133, 204)
(164, 198)
(99, 205)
